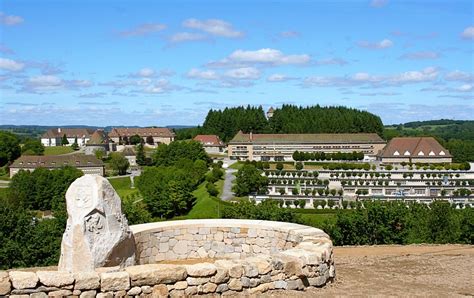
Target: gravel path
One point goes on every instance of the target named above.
(229, 177)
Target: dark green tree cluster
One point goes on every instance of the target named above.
(119, 163)
(167, 191)
(249, 180)
(346, 166)
(226, 123)
(42, 189)
(317, 119)
(9, 148)
(266, 210)
(394, 223)
(168, 155)
(304, 156)
(32, 147)
(26, 239)
(135, 209)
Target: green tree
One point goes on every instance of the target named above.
(266, 210)
(249, 180)
(32, 147)
(299, 166)
(136, 139)
(168, 155)
(74, 145)
(140, 155)
(279, 166)
(64, 140)
(9, 148)
(119, 163)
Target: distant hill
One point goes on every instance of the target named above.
(443, 128)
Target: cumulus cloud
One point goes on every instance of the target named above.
(266, 57)
(277, 78)
(428, 74)
(378, 3)
(11, 65)
(92, 95)
(10, 20)
(214, 27)
(50, 83)
(143, 29)
(243, 73)
(468, 33)
(458, 75)
(383, 44)
(202, 74)
(186, 36)
(422, 55)
(158, 87)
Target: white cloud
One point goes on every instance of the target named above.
(243, 73)
(10, 20)
(422, 55)
(158, 87)
(468, 33)
(50, 83)
(465, 88)
(202, 74)
(144, 29)
(187, 36)
(268, 56)
(331, 61)
(428, 74)
(378, 3)
(214, 27)
(458, 75)
(276, 78)
(383, 44)
(11, 65)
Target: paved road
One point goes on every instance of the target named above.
(229, 177)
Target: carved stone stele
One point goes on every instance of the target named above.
(97, 233)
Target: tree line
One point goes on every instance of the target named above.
(287, 119)
(304, 156)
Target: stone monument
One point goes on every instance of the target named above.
(97, 233)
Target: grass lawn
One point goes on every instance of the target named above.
(122, 186)
(205, 205)
(57, 150)
(237, 165)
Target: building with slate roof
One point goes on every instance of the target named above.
(414, 150)
(88, 164)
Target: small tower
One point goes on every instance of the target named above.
(270, 112)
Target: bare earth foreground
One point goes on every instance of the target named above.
(413, 270)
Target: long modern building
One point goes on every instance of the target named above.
(151, 135)
(280, 147)
(414, 150)
(88, 164)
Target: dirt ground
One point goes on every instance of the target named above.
(413, 270)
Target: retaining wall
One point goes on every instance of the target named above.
(204, 257)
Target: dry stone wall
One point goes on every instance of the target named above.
(237, 257)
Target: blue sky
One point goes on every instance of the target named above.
(168, 62)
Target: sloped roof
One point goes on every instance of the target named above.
(56, 161)
(209, 140)
(323, 138)
(69, 132)
(414, 147)
(142, 132)
(128, 151)
(98, 137)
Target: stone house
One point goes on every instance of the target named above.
(150, 135)
(53, 137)
(211, 143)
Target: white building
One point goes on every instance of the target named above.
(53, 137)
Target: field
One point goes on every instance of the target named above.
(397, 271)
(122, 186)
(57, 150)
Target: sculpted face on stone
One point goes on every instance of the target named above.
(97, 233)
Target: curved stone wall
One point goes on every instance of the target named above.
(237, 257)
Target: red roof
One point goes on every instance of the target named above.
(414, 147)
(142, 132)
(209, 140)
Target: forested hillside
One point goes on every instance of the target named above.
(289, 119)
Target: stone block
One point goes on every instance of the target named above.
(120, 294)
(222, 288)
(262, 288)
(317, 281)
(5, 284)
(222, 275)
(295, 284)
(153, 274)
(39, 295)
(23, 280)
(207, 288)
(181, 285)
(251, 270)
(235, 284)
(88, 294)
(160, 291)
(181, 247)
(114, 281)
(60, 293)
(134, 291)
(195, 281)
(245, 281)
(202, 252)
(201, 270)
(55, 278)
(191, 291)
(86, 281)
(280, 284)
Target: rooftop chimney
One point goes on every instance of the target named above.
(59, 129)
(251, 136)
